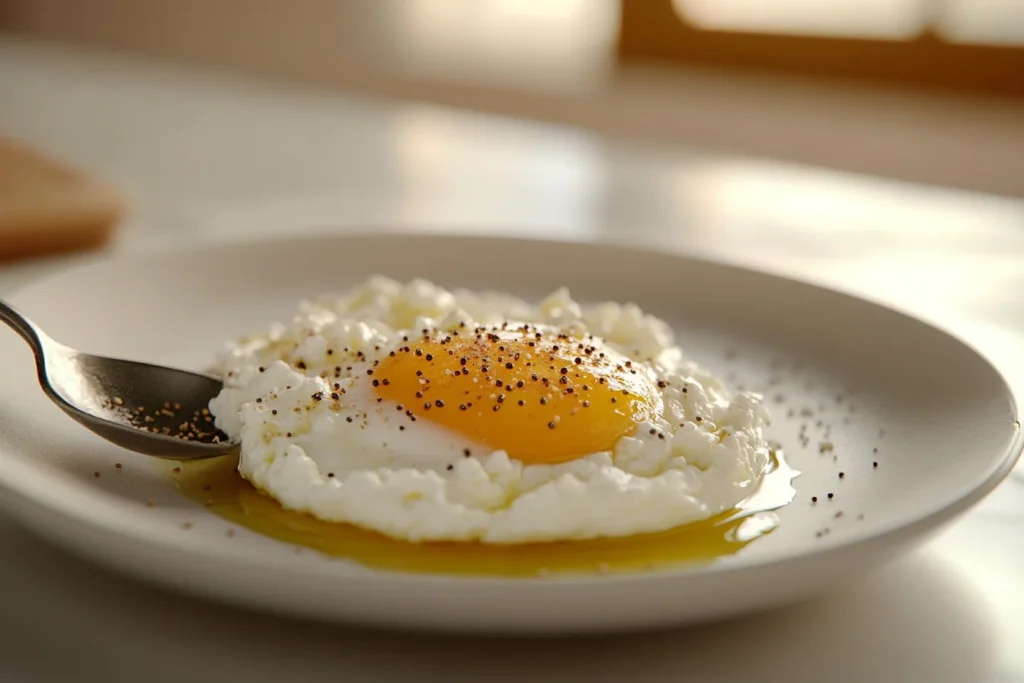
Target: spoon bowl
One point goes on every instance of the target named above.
(149, 409)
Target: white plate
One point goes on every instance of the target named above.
(941, 418)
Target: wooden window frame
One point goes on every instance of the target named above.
(653, 30)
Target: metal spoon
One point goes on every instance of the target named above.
(145, 408)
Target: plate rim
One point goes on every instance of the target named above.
(110, 521)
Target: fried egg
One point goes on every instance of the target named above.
(434, 415)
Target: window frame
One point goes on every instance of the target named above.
(653, 30)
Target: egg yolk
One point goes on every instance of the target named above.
(543, 398)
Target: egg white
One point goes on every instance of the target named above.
(349, 461)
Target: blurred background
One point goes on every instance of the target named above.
(902, 88)
(752, 76)
(663, 110)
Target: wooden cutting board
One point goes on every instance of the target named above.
(47, 207)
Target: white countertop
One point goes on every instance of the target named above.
(207, 157)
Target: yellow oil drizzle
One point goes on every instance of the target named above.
(217, 485)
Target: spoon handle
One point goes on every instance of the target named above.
(25, 327)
